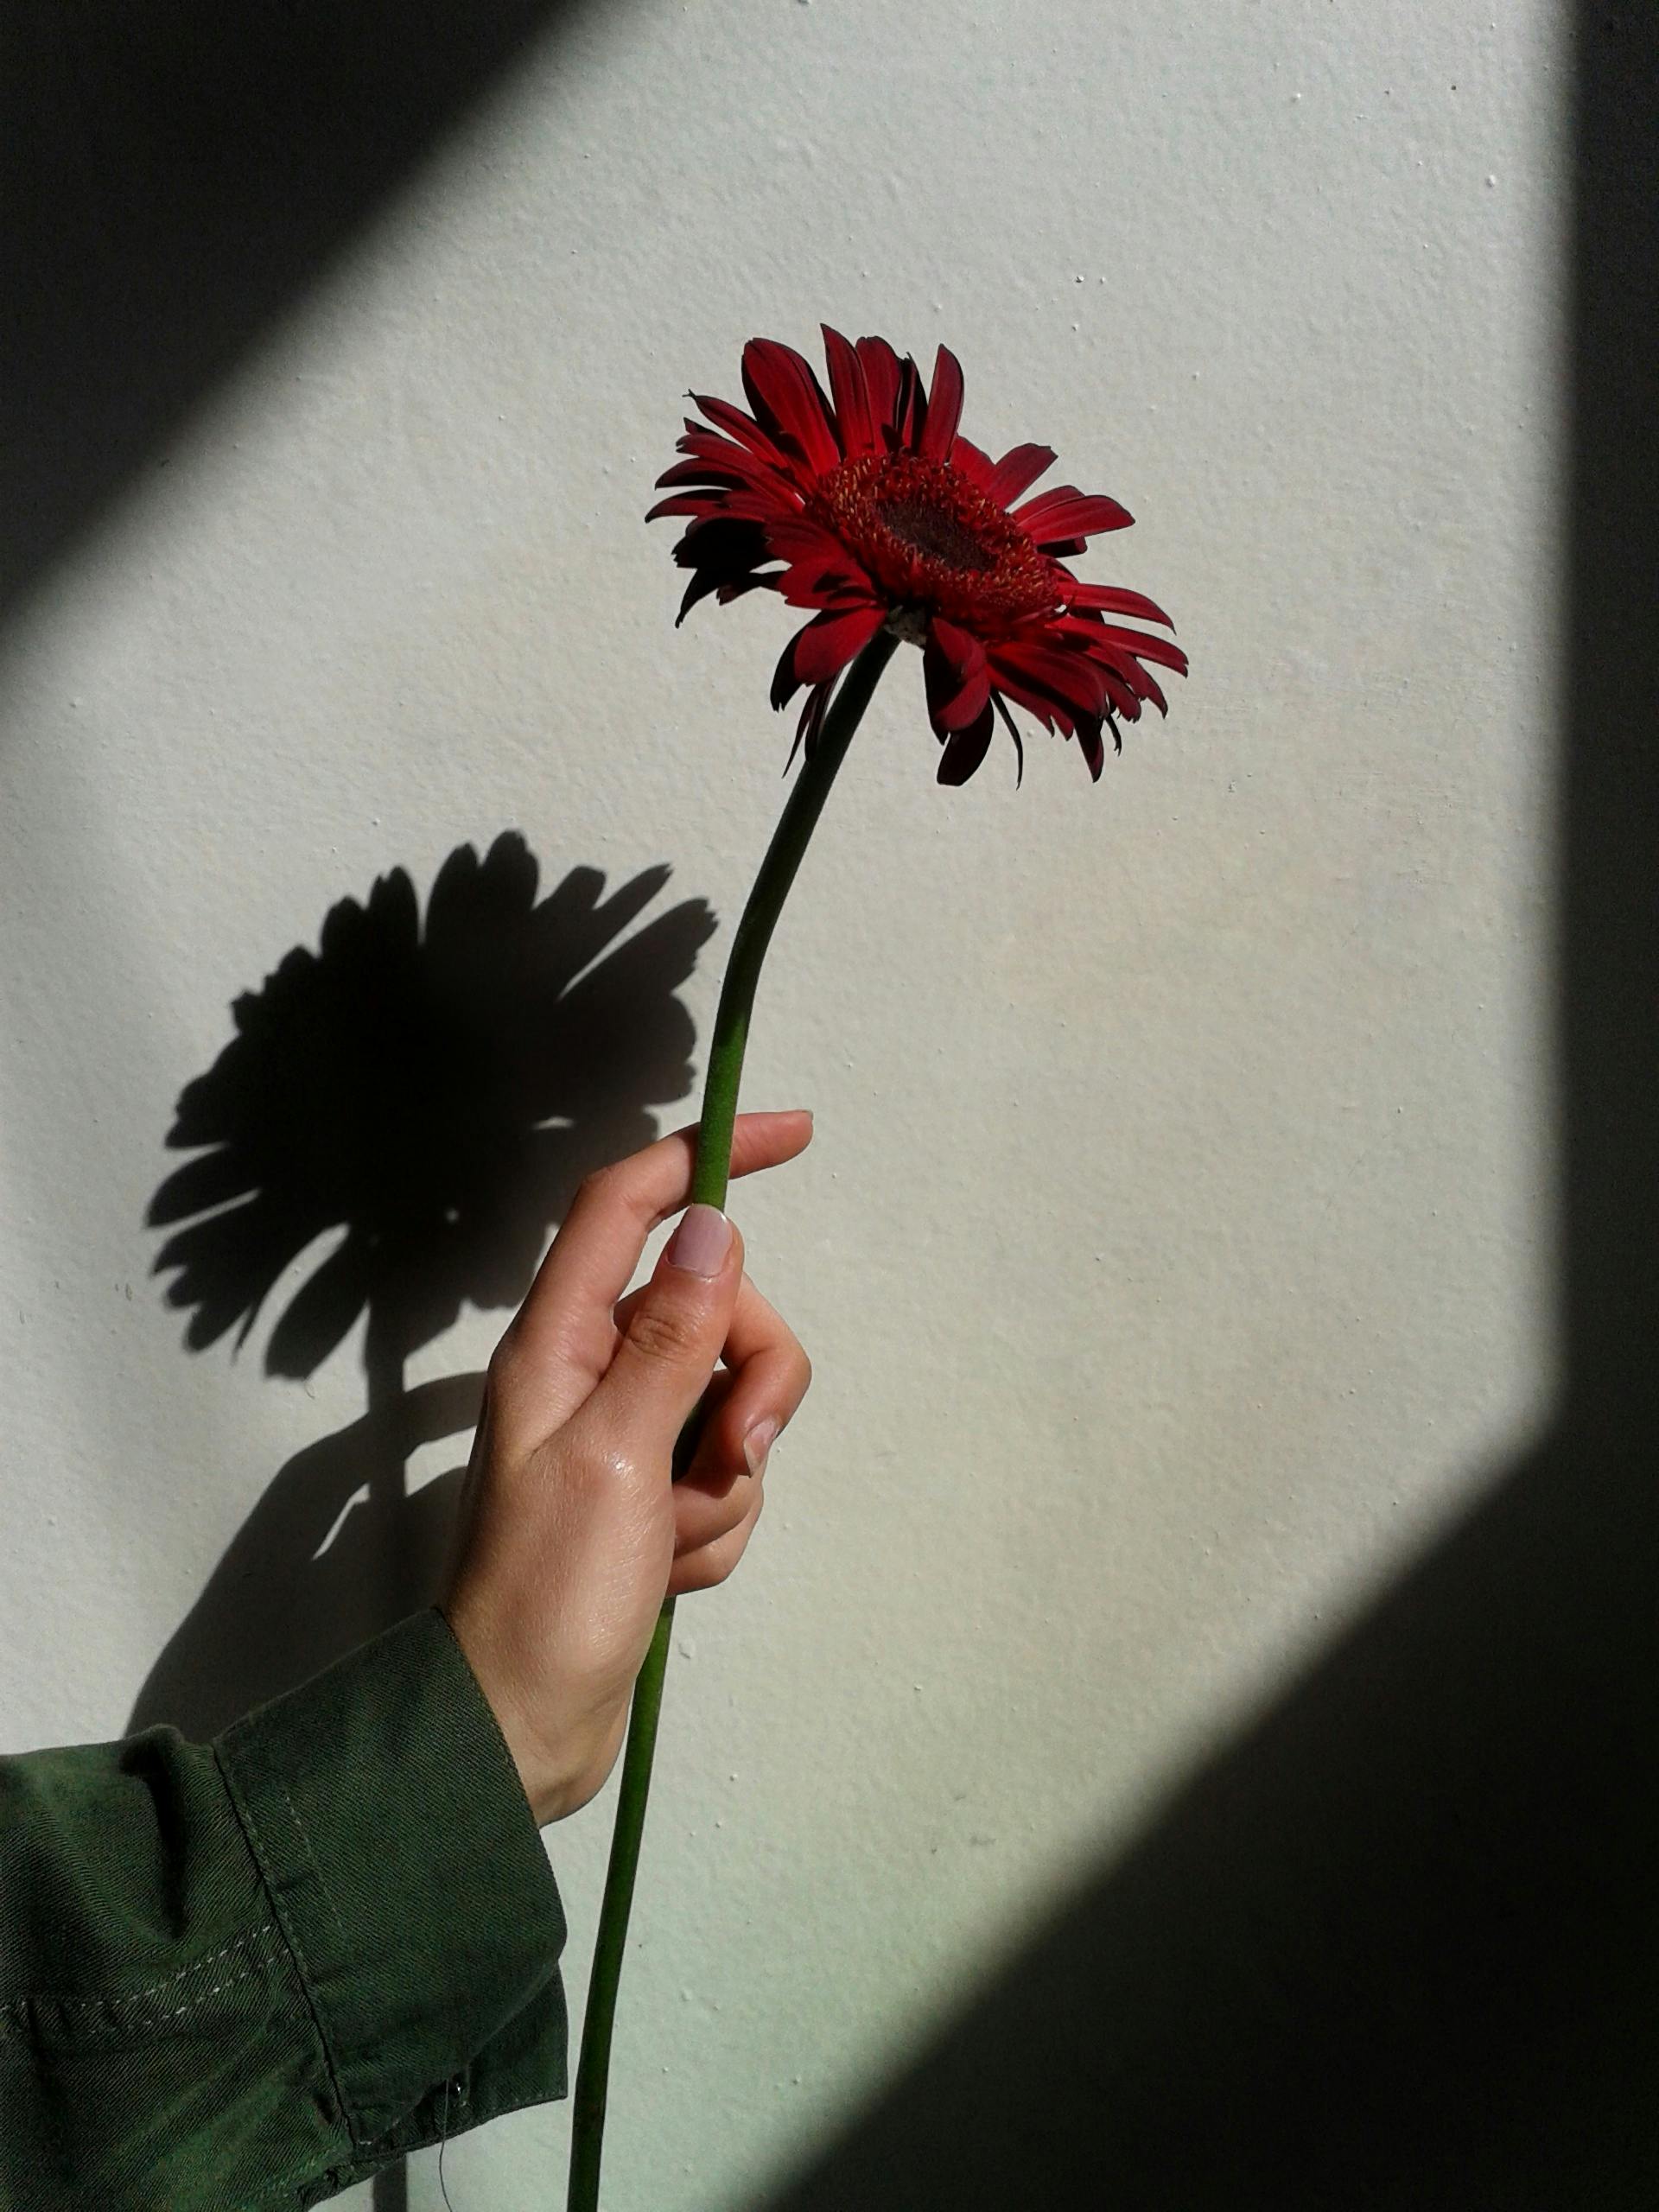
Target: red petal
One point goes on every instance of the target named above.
(1094, 635)
(883, 378)
(823, 649)
(726, 592)
(1075, 681)
(908, 407)
(785, 393)
(1019, 467)
(785, 681)
(820, 566)
(1127, 666)
(1149, 688)
(944, 408)
(1111, 601)
(966, 748)
(960, 647)
(852, 394)
(1122, 695)
(1143, 647)
(1067, 512)
(701, 471)
(974, 464)
(688, 503)
(812, 721)
(1034, 702)
(725, 556)
(807, 584)
(1128, 670)
(998, 702)
(957, 677)
(752, 503)
(796, 538)
(742, 427)
(724, 453)
(705, 581)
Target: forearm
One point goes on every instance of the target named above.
(246, 1975)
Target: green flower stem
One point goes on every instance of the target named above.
(709, 1178)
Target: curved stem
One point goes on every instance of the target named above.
(709, 1180)
(789, 843)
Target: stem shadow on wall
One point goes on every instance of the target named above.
(427, 1091)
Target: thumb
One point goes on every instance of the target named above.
(673, 1338)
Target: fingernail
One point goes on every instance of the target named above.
(758, 1443)
(702, 1241)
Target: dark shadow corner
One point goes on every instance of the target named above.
(174, 174)
(1397, 1950)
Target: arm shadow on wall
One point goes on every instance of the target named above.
(1397, 1949)
(175, 174)
(397, 1122)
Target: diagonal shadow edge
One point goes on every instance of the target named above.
(1395, 1947)
(176, 175)
(1398, 1946)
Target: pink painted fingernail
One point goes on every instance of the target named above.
(758, 1443)
(702, 1241)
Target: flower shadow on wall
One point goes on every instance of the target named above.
(429, 1089)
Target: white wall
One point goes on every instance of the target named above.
(1173, 1250)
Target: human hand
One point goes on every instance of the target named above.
(572, 1531)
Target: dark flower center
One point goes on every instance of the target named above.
(941, 536)
(929, 538)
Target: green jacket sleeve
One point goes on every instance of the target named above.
(243, 1975)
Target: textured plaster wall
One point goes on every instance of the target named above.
(1174, 1250)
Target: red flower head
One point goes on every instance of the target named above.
(871, 508)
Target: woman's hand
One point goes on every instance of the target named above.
(571, 1530)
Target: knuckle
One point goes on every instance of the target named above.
(597, 1185)
(504, 1365)
(735, 1511)
(599, 1463)
(730, 1549)
(665, 1333)
(710, 1564)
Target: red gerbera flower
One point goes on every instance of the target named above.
(872, 509)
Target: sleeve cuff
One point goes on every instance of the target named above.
(404, 1866)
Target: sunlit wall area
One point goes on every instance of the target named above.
(1174, 1253)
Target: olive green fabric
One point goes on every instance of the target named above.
(242, 1976)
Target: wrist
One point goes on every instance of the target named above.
(556, 1767)
(551, 1785)
(551, 1772)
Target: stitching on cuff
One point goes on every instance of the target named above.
(305, 1845)
(291, 1935)
(119, 1999)
(156, 1988)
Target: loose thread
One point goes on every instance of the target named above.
(444, 2144)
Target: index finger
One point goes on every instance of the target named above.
(564, 1330)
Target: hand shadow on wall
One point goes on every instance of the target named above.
(429, 1092)
(333, 1552)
